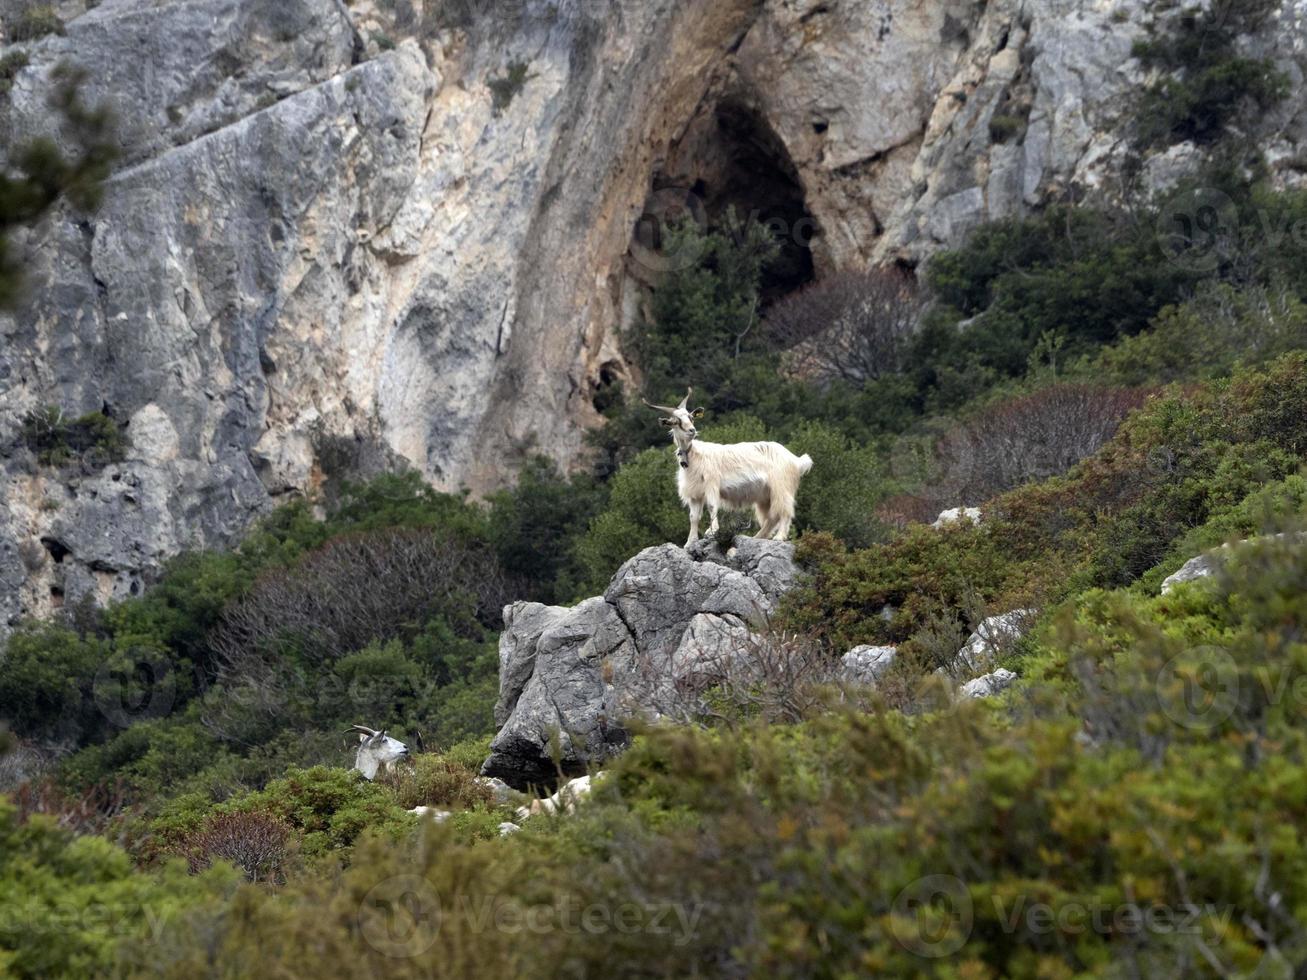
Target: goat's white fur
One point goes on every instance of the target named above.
(377, 751)
(737, 476)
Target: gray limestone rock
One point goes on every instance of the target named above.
(668, 623)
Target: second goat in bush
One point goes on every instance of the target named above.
(761, 475)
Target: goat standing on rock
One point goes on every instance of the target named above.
(761, 475)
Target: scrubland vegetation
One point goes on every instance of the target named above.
(1116, 395)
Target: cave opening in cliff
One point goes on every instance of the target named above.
(730, 160)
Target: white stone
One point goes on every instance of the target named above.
(867, 664)
(991, 638)
(988, 685)
(152, 434)
(431, 813)
(956, 514)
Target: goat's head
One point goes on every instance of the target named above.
(680, 419)
(377, 751)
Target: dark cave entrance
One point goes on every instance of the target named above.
(729, 158)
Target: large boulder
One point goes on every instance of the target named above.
(988, 685)
(990, 639)
(1210, 562)
(668, 623)
(867, 664)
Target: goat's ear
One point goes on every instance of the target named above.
(697, 413)
(667, 423)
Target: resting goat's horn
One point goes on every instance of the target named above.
(361, 729)
(659, 408)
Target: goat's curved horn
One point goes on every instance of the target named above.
(361, 729)
(686, 400)
(659, 408)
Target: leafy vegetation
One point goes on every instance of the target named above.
(1114, 399)
(505, 88)
(57, 440)
(40, 172)
(1204, 81)
(33, 22)
(10, 65)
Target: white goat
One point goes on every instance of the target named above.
(761, 475)
(377, 751)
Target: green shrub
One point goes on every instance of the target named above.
(10, 65)
(1172, 466)
(506, 87)
(1085, 277)
(46, 687)
(437, 780)
(1206, 337)
(35, 21)
(534, 528)
(71, 903)
(1004, 127)
(328, 808)
(840, 493)
(1206, 82)
(56, 441)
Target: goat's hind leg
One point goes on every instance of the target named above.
(781, 516)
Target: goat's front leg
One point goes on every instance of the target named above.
(713, 505)
(696, 511)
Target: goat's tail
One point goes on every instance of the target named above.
(805, 464)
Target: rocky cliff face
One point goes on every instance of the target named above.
(346, 236)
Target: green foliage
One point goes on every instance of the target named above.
(705, 311)
(39, 171)
(1004, 127)
(329, 808)
(46, 687)
(72, 903)
(1184, 460)
(1132, 810)
(438, 780)
(93, 437)
(10, 65)
(1205, 82)
(534, 528)
(1208, 336)
(643, 511)
(839, 494)
(1084, 276)
(506, 87)
(34, 22)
